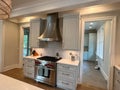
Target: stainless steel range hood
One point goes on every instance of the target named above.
(51, 32)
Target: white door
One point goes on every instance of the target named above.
(11, 44)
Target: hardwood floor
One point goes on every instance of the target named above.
(18, 74)
(93, 77)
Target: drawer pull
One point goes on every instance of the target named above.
(66, 67)
(29, 73)
(118, 81)
(65, 83)
(29, 66)
(65, 74)
(118, 72)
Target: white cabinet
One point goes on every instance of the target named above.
(29, 67)
(117, 79)
(67, 76)
(71, 32)
(37, 27)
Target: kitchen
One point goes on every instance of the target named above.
(52, 46)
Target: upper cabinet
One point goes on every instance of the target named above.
(71, 32)
(37, 27)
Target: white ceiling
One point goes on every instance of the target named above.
(27, 7)
(94, 26)
(20, 3)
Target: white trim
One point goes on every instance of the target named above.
(10, 67)
(52, 5)
(2, 46)
(112, 51)
(21, 43)
(104, 74)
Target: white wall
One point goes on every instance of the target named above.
(11, 45)
(1, 45)
(90, 41)
(103, 48)
(100, 41)
(92, 47)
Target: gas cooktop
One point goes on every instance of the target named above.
(49, 58)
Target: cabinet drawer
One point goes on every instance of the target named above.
(66, 67)
(66, 85)
(29, 72)
(117, 85)
(117, 74)
(65, 75)
(29, 63)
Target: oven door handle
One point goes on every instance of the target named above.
(41, 66)
(51, 69)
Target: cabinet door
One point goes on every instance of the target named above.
(34, 33)
(71, 32)
(28, 67)
(117, 85)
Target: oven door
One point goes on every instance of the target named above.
(45, 75)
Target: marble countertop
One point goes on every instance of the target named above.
(117, 66)
(69, 62)
(8, 83)
(32, 57)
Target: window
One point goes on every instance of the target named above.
(26, 49)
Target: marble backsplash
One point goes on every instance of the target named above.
(56, 47)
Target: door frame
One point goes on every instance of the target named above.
(112, 46)
(22, 26)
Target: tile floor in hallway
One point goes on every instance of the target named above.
(18, 74)
(93, 77)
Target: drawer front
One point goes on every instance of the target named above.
(117, 85)
(117, 74)
(29, 63)
(66, 85)
(66, 67)
(29, 72)
(66, 75)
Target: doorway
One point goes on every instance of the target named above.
(93, 55)
(26, 49)
(108, 49)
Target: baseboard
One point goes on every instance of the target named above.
(10, 67)
(104, 74)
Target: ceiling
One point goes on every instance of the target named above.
(33, 7)
(20, 3)
(93, 25)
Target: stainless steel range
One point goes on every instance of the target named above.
(45, 70)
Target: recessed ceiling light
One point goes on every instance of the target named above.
(91, 23)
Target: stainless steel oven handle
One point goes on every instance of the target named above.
(51, 69)
(44, 67)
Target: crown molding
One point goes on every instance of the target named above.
(48, 6)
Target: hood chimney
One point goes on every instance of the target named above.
(51, 32)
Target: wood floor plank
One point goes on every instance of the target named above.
(18, 74)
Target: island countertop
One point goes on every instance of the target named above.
(8, 83)
(117, 66)
(32, 57)
(69, 62)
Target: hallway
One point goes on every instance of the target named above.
(93, 77)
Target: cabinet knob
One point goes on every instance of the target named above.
(65, 83)
(65, 74)
(118, 81)
(118, 72)
(29, 73)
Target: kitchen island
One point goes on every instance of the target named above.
(8, 83)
